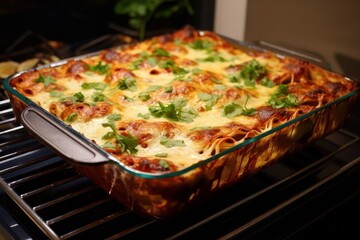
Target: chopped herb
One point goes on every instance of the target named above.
(196, 71)
(267, 82)
(114, 117)
(201, 45)
(126, 143)
(152, 61)
(99, 68)
(169, 143)
(213, 57)
(220, 87)
(251, 72)
(282, 99)
(179, 70)
(108, 145)
(166, 63)
(200, 128)
(161, 52)
(98, 97)
(209, 99)
(164, 163)
(161, 154)
(127, 84)
(153, 88)
(215, 80)
(174, 111)
(144, 96)
(233, 110)
(144, 116)
(169, 89)
(71, 117)
(47, 80)
(56, 94)
(94, 85)
(78, 97)
(129, 99)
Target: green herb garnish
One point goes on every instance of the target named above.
(127, 84)
(78, 97)
(164, 163)
(71, 117)
(94, 85)
(114, 117)
(209, 99)
(233, 110)
(47, 80)
(282, 98)
(126, 143)
(267, 82)
(99, 68)
(174, 111)
(161, 52)
(201, 45)
(161, 155)
(98, 97)
(169, 143)
(56, 94)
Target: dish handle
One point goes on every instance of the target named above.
(64, 142)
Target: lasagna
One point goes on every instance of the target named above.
(174, 100)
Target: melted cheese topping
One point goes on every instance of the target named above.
(138, 79)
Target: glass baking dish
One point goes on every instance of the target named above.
(163, 195)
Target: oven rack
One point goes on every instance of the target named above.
(53, 201)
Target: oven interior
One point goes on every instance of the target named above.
(312, 193)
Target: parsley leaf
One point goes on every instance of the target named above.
(71, 117)
(56, 94)
(169, 143)
(233, 110)
(78, 97)
(94, 85)
(99, 68)
(161, 52)
(267, 82)
(114, 117)
(213, 57)
(282, 98)
(47, 80)
(127, 84)
(251, 72)
(200, 44)
(174, 111)
(126, 143)
(209, 99)
(98, 97)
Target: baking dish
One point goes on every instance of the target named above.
(167, 194)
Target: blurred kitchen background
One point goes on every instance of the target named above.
(326, 28)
